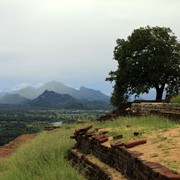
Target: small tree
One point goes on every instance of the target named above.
(149, 58)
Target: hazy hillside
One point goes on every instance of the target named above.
(13, 99)
(58, 88)
(57, 95)
(82, 93)
(28, 92)
(96, 104)
(51, 99)
(91, 94)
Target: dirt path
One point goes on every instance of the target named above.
(9, 148)
(162, 147)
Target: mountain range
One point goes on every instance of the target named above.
(57, 95)
(51, 99)
(82, 93)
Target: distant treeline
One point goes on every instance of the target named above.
(17, 120)
(10, 130)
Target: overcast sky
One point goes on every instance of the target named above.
(72, 41)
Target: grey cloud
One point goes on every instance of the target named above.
(42, 40)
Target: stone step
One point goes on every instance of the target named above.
(92, 167)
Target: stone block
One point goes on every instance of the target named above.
(135, 143)
(102, 140)
(117, 144)
(86, 128)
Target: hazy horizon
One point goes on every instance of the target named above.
(71, 41)
(150, 96)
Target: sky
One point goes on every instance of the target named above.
(71, 41)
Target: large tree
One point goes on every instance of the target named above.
(148, 58)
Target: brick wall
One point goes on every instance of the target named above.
(123, 160)
(147, 107)
(91, 170)
(165, 109)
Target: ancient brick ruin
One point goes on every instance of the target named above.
(168, 110)
(117, 156)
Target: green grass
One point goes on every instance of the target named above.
(144, 125)
(149, 123)
(43, 158)
(175, 99)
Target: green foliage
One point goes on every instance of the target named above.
(175, 99)
(149, 58)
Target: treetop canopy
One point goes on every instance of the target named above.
(148, 58)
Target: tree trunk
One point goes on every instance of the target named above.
(159, 92)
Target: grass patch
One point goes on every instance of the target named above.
(173, 165)
(154, 155)
(175, 99)
(143, 125)
(42, 158)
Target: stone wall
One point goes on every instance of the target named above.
(123, 160)
(145, 108)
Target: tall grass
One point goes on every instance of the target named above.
(43, 157)
(175, 99)
(145, 125)
(149, 122)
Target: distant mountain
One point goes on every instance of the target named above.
(82, 93)
(92, 95)
(27, 92)
(13, 99)
(97, 104)
(51, 99)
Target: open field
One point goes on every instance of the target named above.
(43, 156)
